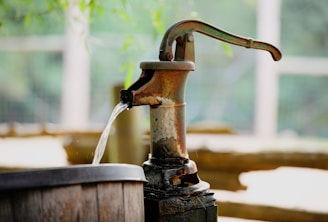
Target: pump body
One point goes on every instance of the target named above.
(174, 190)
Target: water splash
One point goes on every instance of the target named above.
(104, 136)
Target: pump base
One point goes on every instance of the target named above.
(188, 200)
(198, 207)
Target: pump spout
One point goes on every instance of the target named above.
(143, 91)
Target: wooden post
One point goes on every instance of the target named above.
(76, 83)
(125, 143)
(268, 27)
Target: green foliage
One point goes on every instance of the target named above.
(31, 17)
(130, 18)
(158, 23)
(129, 68)
(227, 49)
(22, 17)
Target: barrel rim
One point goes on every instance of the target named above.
(75, 174)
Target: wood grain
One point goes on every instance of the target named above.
(110, 202)
(62, 204)
(244, 162)
(6, 207)
(89, 203)
(133, 201)
(23, 200)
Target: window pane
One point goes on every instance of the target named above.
(303, 106)
(304, 27)
(30, 87)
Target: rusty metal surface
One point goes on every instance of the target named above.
(181, 32)
(168, 65)
(164, 92)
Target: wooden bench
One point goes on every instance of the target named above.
(221, 164)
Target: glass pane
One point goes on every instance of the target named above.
(303, 107)
(30, 87)
(304, 27)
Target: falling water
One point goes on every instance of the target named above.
(104, 136)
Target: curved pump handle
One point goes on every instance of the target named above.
(182, 33)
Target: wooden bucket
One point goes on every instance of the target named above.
(106, 192)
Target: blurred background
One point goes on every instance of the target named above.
(39, 50)
(60, 61)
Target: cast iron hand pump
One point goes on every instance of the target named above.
(161, 85)
(181, 32)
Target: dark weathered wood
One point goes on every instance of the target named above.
(110, 204)
(206, 129)
(23, 200)
(62, 204)
(133, 201)
(267, 213)
(6, 207)
(221, 180)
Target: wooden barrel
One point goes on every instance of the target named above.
(106, 192)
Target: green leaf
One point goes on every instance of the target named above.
(227, 49)
(124, 2)
(128, 41)
(122, 13)
(158, 21)
(128, 66)
(63, 4)
(99, 10)
(27, 19)
(82, 5)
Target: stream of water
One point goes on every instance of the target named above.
(104, 136)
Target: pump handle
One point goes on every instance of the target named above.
(182, 33)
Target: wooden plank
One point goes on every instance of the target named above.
(62, 204)
(127, 125)
(89, 203)
(267, 213)
(110, 202)
(265, 120)
(32, 43)
(221, 180)
(243, 162)
(27, 205)
(133, 201)
(6, 207)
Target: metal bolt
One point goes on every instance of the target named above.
(190, 38)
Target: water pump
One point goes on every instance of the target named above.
(174, 191)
